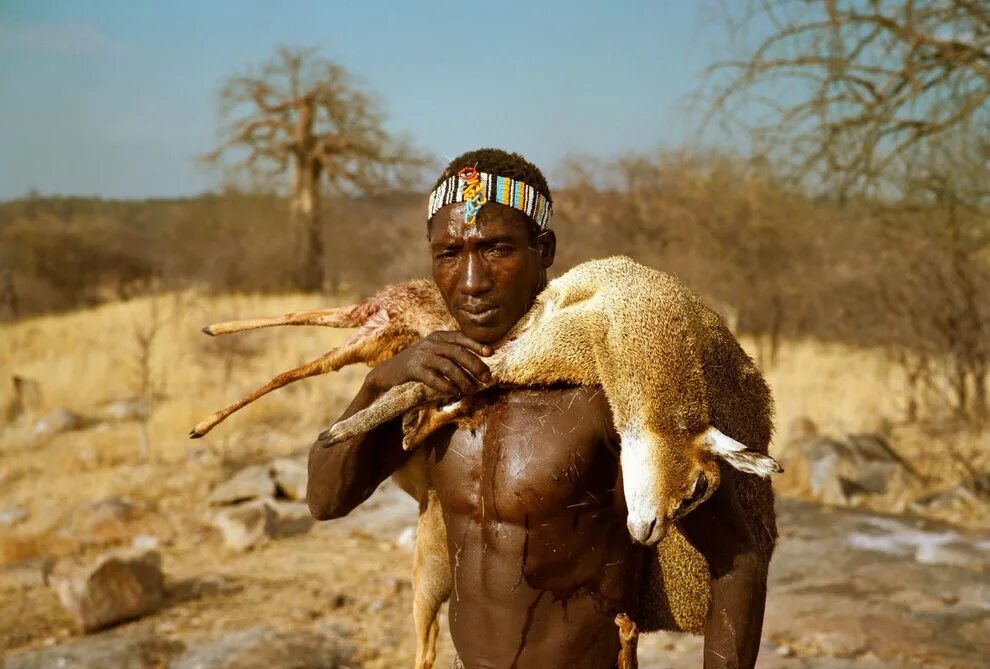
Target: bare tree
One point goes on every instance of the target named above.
(303, 114)
(864, 95)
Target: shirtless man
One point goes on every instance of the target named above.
(530, 487)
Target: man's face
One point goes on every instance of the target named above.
(489, 272)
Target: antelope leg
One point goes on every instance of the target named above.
(424, 420)
(628, 641)
(329, 362)
(392, 404)
(342, 317)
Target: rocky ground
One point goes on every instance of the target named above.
(847, 589)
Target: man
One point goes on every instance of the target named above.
(530, 485)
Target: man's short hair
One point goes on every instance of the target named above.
(504, 164)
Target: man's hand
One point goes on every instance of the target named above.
(448, 362)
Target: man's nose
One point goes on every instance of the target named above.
(476, 279)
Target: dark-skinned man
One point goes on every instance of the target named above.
(531, 490)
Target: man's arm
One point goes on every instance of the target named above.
(344, 475)
(720, 532)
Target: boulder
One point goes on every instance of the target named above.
(60, 420)
(290, 518)
(952, 554)
(12, 516)
(249, 483)
(119, 585)
(257, 522)
(111, 511)
(135, 649)
(130, 408)
(321, 647)
(246, 525)
(290, 478)
(836, 470)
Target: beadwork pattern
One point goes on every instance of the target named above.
(484, 187)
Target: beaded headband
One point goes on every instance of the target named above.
(476, 188)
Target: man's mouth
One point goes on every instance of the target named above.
(480, 315)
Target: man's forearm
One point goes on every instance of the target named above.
(735, 620)
(344, 475)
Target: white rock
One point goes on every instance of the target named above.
(290, 518)
(60, 420)
(131, 408)
(13, 515)
(955, 554)
(119, 585)
(249, 483)
(246, 525)
(290, 478)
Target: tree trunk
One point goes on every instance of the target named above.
(306, 212)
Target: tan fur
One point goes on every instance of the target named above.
(670, 369)
(387, 322)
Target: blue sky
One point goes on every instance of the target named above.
(118, 98)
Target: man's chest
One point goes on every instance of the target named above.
(525, 455)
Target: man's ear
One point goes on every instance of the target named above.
(546, 244)
(737, 454)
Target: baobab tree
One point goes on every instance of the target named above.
(303, 115)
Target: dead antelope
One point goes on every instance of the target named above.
(676, 379)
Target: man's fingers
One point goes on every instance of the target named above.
(453, 373)
(461, 339)
(468, 361)
(437, 381)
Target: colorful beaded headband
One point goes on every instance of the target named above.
(475, 188)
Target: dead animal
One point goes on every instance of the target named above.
(683, 393)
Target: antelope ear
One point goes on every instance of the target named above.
(737, 454)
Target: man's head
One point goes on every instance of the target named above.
(490, 270)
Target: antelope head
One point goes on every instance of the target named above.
(665, 477)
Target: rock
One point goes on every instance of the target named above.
(111, 511)
(12, 516)
(60, 420)
(119, 585)
(259, 648)
(249, 483)
(783, 650)
(259, 521)
(246, 525)
(27, 574)
(130, 408)
(955, 554)
(854, 464)
(838, 643)
(136, 649)
(290, 518)
(145, 541)
(801, 427)
(407, 537)
(290, 478)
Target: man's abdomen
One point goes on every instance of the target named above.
(536, 531)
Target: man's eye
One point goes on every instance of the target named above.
(500, 250)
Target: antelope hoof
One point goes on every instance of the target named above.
(209, 330)
(328, 437)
